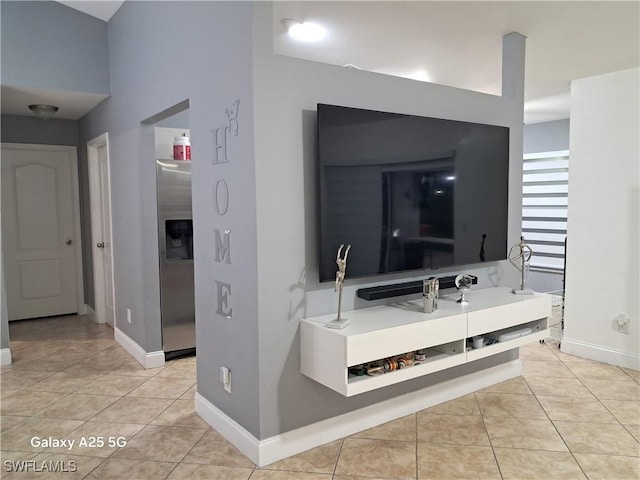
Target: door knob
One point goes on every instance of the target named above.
(69, 241)
(100, 245)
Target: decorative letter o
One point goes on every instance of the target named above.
(221, 195)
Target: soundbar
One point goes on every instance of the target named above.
(406, 288)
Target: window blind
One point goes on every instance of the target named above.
(545, 191)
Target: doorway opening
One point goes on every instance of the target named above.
(175, 230)
(101, 230)
(42, 250)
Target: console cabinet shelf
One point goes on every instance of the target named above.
(504, 320)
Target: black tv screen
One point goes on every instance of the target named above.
(409, 192)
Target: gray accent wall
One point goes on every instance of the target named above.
(546, 136)
(287, 91)
(217, 53)
(545, 282)
(49, 46)
(29, 129)
(53, 47)
(162, 53)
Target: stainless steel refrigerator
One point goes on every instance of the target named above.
(175, 242)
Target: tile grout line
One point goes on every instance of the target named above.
(415, 418)
(554, 425)
(335, 467)
(111, 455)
(493, 450)
(629, 375)
(601, 403)
(104, 459)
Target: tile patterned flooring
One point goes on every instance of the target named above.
(565, 417)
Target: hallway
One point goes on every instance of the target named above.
(565, 417)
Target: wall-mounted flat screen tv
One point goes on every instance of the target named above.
(409, 192)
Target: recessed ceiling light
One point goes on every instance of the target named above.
(420, 75)
(305, 31)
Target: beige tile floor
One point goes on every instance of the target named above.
(565, 417)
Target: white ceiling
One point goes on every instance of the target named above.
(459, 43)
(73, 105)
(456, 43)
(102, 9)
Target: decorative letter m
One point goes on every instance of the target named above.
(223, 248)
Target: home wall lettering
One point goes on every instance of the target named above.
(221, 198)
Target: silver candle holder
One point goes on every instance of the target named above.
(519, 256)
(430, 289)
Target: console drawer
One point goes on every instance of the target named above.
(508, 315)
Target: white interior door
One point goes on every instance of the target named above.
(101, 229)
(40, 240)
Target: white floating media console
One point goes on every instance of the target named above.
(385, 331)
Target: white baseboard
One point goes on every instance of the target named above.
(228, 428)
(5, 356)
(600, 353)
(265, 452)
(91, 313)
(147, 360)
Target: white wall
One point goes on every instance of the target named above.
(5, 354)
(603, 219)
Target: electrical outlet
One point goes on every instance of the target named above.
(129, 315)
(622, 322)
(225, 378)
